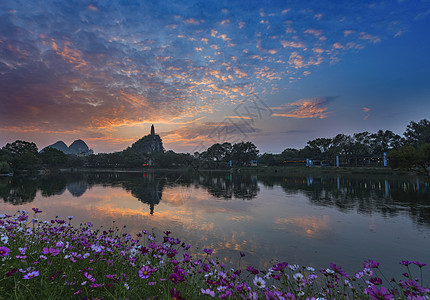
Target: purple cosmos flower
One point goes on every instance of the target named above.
(174, 278)
(225, 295)
(277, 276)
(419, 264)
(89, 277)
(375, 281)
(11, 272)
(197, 262)
(412, 285)
(51, 251)
(145, 272)
(381, 293)
(185, 246)
(174, 294)
(36, 210)
(23, 218)
(187, 257)
(31, 275)
(370, 264)
(180, 271)
(338, 269)
(252, 270)
(208, 251)
(280, 266)
(405, 262)
(4, 251)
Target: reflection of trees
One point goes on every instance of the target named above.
(388, 196)
(52, 185)
(227, 185)
(18, 190)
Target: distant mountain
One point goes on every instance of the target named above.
(78, 147)
(60, 145)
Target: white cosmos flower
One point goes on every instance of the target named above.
(259, 282)
(4, 239)
(298, 277)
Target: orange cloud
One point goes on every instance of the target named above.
(291, 44)
(310, 226)
(305, 108)
(372, 38)
(366, 110)
(192, 21)
(314, 32)
(71, 55)
(92, 7)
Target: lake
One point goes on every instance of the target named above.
(303, 219)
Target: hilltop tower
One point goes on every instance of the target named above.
(149, 143)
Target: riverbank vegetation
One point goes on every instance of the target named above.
(364, 150)
(55, 259)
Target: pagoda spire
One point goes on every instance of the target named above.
(152, 130)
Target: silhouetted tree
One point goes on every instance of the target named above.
(53, 157)
(22, 155)
(243, 152)
(410, 158)
(417, 134)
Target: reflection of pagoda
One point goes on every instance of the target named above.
(149, 192)
(149, 143)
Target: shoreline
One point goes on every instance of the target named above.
(263, 170)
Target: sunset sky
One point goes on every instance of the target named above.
(277, 73)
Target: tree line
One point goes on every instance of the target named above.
(410, 151)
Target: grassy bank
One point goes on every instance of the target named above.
(54, 259)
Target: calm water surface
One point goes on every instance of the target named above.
(302, 219)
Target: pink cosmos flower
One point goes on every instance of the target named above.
(145, 272)
(31, 275)
(381, 293)
(4, 251)
(89, 277)
(208, 292)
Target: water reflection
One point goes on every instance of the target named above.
(364, 194)
(299, 218)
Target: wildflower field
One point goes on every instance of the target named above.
(56, 260)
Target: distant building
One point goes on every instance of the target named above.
(149, 143)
